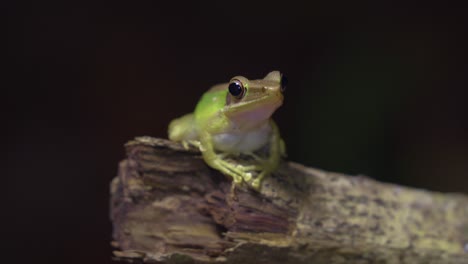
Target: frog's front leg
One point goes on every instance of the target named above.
(276, 150)
(238, 172)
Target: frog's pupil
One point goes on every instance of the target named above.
(284, 83)
(235, 89)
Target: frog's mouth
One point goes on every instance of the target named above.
(251, 105)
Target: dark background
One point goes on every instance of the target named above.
(375, 89)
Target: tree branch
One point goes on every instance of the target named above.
(168, 206)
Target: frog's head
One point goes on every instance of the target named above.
(250, 102)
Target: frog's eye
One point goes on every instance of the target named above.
(236, 88)
(284, 83)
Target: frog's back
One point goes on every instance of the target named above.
(205, 116)
(208, 112)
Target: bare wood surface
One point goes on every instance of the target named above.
(167, 206)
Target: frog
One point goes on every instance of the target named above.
(233, 119)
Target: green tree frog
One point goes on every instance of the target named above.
(234, 119)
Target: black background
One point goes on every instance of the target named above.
(375, 88)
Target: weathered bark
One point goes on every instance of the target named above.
(168, 206)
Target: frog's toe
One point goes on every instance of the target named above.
(185, 144)
(251, 168)
(247, 176)
(256, 184)
(237, 179)
(258, 180)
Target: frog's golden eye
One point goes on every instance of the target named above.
(236, 88)
(284, 83)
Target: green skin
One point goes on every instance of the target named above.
(225, 125)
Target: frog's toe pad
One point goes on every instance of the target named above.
(247, 176)
(256, 183)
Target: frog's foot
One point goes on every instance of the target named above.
(262, 168)
(238, 172)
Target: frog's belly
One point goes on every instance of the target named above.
(242, 142)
